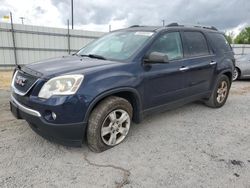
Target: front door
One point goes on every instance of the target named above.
(164, 82)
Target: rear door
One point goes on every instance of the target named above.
(199, 62)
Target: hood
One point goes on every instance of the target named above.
(65, 64)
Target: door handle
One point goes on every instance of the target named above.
(183, 68)
(213, 63)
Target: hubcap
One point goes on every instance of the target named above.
(235, 74)
(222, 92)
(115, 127)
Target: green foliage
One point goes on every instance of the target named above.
(243, 37)
(229, 38)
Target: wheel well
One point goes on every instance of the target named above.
(238, 70)
(131, 98)
(229, 75)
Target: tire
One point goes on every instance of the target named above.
(236, 74)
(219, 96)
(104, 123)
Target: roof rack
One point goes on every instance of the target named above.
(200, 26)
(172, 24)
(207, 27)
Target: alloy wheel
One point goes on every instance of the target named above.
(222, 92)
(115, 127)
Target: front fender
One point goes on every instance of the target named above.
(103, 83)
(100, 97)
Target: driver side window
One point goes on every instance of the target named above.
(169, 44)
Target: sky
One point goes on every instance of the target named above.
(226, 15)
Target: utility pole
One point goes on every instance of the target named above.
(72, 14)
(13, 39)
(163, 23)
(68, 36)
(22, 18)
(109, 28)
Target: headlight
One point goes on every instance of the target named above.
(61, 85)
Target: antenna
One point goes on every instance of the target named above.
(134, 26)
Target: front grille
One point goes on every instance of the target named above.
(23, 82)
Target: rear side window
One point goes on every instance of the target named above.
(196, 43)
(220, 41)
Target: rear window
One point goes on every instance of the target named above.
(196, 43)
(220, 41)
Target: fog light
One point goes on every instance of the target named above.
(53, 115)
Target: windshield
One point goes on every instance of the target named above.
(117, 46)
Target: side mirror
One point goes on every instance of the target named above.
(156, 57)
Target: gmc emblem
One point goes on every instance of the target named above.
(20, 80)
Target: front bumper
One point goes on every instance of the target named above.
(66, 134)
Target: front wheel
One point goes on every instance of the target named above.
(220, 93)
(109, 123)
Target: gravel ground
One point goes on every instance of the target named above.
(192, 146)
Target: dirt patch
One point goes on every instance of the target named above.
(237, 175)
(237, 162)
(5, 79)
(241, 91)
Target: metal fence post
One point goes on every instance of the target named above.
(68, 37)
(13, 39)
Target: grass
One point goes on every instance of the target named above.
(5, 79)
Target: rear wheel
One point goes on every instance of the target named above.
(220, 93)
(236, 74)
(109, 123)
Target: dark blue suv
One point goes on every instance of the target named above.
(119, 78)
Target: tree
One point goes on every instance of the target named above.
(229, 37)
(243, 37)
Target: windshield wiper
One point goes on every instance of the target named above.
(94, 56)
